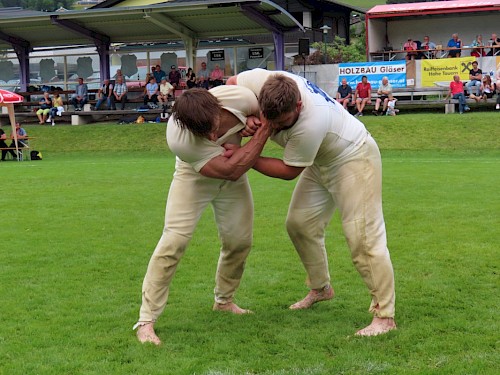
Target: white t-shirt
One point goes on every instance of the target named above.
(324, 133)
(198, 151)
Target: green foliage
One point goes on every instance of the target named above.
(79, 228)
(338, 51)
(42, 5)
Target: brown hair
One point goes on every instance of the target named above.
(197, 110)
(278, 95)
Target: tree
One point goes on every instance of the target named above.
(43, 5)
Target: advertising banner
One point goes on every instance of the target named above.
(440, 72)
(395, 71)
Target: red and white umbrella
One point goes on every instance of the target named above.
(7, 99)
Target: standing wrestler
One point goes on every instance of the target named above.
(210, 168)
(341, 168)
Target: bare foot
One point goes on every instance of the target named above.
(146, 333)
(314, 295)
(230, 307)
(378, 326)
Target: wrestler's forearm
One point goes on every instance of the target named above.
(276, 168)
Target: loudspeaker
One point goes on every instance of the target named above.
(304, 46)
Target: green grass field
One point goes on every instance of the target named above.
(78, 229)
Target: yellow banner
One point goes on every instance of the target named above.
(440, 72)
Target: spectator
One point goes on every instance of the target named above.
(429, 47)
(488, 88)
(384, 92)
(190, 78)
(151, 93)
(120, 91)
(391, 106)
(45, 106)
(159, 74)
(344, 93)
(105, 93)
(166, 91)
(203, 76)
(478, 45)
(57, 108)
(216, 77)
(495, 44)
(3, 145)
(411, 49)
(457, 92)
(22, 141)
(362, 95)
(475, 77)
(455, 46)
(79, 98)
(174, 77)
(119, 74)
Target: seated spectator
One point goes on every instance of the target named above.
(478, 45)
(159, 74)
(384, 92)
(457, 92)
(391, 106)
(455, 46)
(487, 89)
(3, 145)
(203, 76)
(216, 77)
(105, 93)
(79, 98)
(411, 49)
(151, 93)
(190, 78)
(495, 45)
(120, 92)
(344, 93)
(45, 106)
(22, 141)
(475, 78)
(429, 47)
(174, 77)
(57, 108)
(165, 92)
(362, 95)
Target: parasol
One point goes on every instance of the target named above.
(7, 99)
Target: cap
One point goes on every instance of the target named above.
(172, 67)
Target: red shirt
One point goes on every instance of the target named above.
(362, 89)
(456, 87)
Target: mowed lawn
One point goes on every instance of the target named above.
(78, 229)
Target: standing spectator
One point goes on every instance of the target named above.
(79, 98)
(165, 91)
(216, 76)
(190, 78)
(151, 92)
(475, 78)
(362, 95)
(119, 74)
(411, 49)
(174, 77)
(344, 93)
(384, 92)
(203, 76)
(45, 106)
(120, 91)
(457, 92)
(478, 45)
(455, 46)
(495, 45)
(57, 108)
(105, 93)
(3, 145)
(429, 47)
(159, 74)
